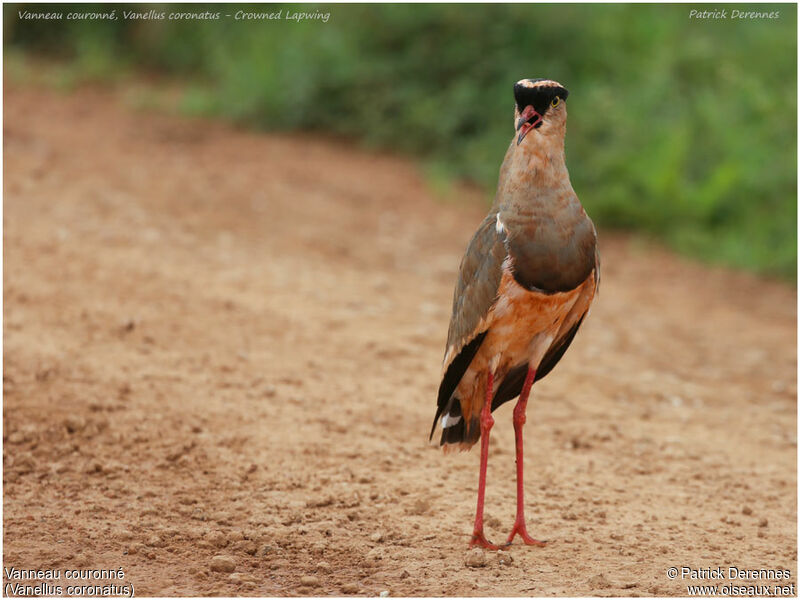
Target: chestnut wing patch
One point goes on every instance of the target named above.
(511, 386)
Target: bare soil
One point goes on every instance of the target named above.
(224, 343)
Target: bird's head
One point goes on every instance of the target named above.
(539, 102)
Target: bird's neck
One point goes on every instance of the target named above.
(534, 173)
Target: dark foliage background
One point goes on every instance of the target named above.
(680, 128)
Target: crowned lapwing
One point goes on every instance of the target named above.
(524, 287)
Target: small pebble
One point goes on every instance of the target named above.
(222, 564)
(16, 438)
(324, 567)
(350, 588)
(475, 558)
(135, 548)
(239, 578)
(309, 580)
(377, 536)
(93, 466)
(421, 506)
(374, 554)
(599, 581)
(747, 510)
(384, 594)
(763, 522)
(74, 423)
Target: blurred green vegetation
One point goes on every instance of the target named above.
(681, 128)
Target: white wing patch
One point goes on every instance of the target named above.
(498, 226)
(449, 420)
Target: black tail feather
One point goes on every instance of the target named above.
(454, 434)
(458, 432)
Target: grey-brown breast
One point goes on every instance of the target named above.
(551, 245)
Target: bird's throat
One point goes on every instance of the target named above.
(540, 168)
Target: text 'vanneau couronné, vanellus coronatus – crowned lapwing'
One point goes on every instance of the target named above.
(525, 285)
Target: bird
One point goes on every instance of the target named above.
(525, 285)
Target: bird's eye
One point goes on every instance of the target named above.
(555, 102)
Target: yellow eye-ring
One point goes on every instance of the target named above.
(555, 101)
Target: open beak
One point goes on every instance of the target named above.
(528, 119)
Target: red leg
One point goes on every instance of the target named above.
(519, 421)
(478, 538)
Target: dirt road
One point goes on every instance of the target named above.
(222, 343)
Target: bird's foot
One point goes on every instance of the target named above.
(519, 528)
(479, 540)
